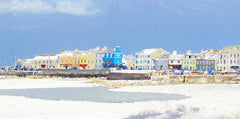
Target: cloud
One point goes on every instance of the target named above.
(17, 6)
(79, 8)
(75, 8)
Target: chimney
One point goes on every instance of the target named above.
(97, 48)
(62, 51)
(105, 48)
(189, 52)
(174, 52)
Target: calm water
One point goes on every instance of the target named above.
(93, 94)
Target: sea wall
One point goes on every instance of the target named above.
(118, 75)
(128, 76)
(58, 73)
(197, 79)
(79, 74)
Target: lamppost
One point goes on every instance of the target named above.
(15, 61)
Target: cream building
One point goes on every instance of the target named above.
(91, 60)
(129, 61)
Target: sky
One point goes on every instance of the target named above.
(30, 27)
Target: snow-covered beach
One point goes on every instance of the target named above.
(74, 99)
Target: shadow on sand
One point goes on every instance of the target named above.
(93, 94)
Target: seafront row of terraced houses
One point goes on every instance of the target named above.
(226, 59)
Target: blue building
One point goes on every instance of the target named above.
(113, 60)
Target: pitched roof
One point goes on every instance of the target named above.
(229, 48)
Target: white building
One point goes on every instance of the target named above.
(100, 52)
(210, 54)
(228, 58)
(25, 63)
(175, 60)
(50, 61)
(161, 62)
(145, 58)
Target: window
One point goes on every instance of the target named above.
(136, 56)
(230, 55)
(230, 61)
(148, 56)
(136, 62)
(148, 62)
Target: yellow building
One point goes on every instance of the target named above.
(189, 64)
(77, 59)
(73, 59)
(65, 62)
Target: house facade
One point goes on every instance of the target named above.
(46, 61)
(207, 60)
(25, 63)
(161, 62)
(145, 58)
(91, 60)
(112, 60)
(73, 59)
(190, 61)
(176, 60)
(129, 61)
(205, 64)
(99, 54)
(228, 58)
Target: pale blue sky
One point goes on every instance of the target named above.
(29, 27)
